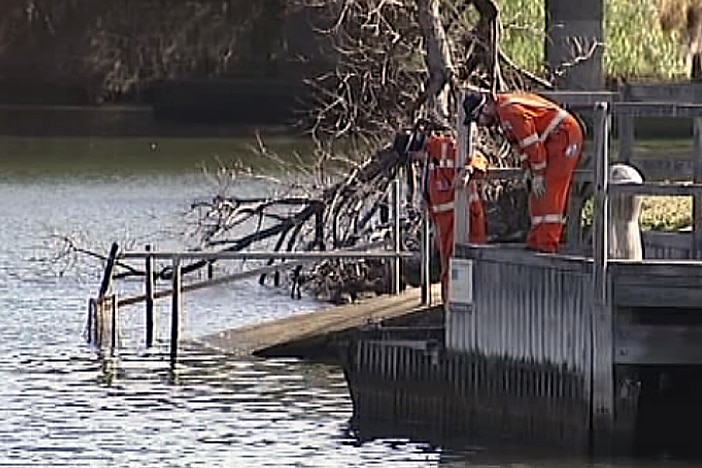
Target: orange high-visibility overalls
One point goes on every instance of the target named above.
(550, 141)
(442, 162)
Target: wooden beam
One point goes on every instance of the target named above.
(518, 254)
(684, 91)
(580, 99)
(657, 344)
(657, 109)
(657, 188)
(648, 295)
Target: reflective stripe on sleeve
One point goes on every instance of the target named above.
(555, 122)
(530, 140)
(548, 219)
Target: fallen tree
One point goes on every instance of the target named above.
(400, 67)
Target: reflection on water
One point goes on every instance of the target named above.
(215, 411)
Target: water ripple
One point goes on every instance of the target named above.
(63, 405)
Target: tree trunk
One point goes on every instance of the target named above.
(438, 57)
(573, 27)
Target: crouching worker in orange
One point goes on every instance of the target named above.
(550, 142)
(441, 181)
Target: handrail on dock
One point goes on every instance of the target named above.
(291, 259)
(264, 255)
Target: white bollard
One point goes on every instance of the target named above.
(625, 210)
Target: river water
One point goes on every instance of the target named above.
(62, 405)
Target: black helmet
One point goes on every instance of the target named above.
(473, 104)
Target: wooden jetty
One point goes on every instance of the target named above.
(316, 335)
(581, 351)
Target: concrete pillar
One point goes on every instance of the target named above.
(625, 210)
(570, 21)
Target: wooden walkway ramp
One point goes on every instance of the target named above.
(309, 335)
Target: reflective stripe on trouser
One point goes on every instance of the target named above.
(548, 212)
(442, 207)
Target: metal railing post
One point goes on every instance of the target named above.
(175, 310)
(426, 261)
(397, 241)
(601, 338)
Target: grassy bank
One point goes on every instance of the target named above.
(637, 47)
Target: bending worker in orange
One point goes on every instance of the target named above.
(550, 141)
(442, 178)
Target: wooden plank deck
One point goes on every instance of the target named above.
(657, 283)
(257, 338)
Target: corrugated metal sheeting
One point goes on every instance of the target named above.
(536, 313)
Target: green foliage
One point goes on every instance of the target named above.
(636, 44)
(523, 32)
(657, 213)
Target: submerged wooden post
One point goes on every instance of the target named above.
(114, 329)
(149, 291)
(397, 244)
(602, 384)
(175, 309)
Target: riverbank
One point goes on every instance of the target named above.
(198, 121)
(34, 120)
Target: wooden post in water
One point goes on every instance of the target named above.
(149, 290)
(696, 251)
(175, 310)
(602, 384)
(114, 331)
(107, 275)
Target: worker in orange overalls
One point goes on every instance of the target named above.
(550, 141)
(442, 155)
